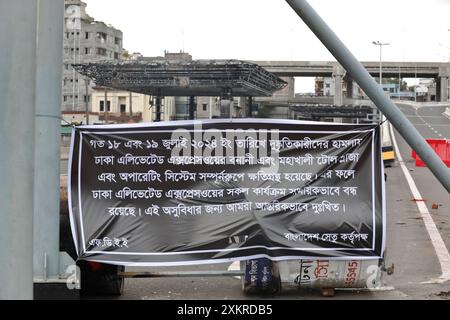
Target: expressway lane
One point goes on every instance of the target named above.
(429, 120)
(432, 125)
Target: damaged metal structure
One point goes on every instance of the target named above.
(210, 78)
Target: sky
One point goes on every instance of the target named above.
(417, 30)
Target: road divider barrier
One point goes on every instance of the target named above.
(440, 146)
(447, 112)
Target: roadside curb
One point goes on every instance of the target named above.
(447, 113)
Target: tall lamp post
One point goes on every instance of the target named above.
(378, 43)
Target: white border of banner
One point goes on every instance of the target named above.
(383, 205)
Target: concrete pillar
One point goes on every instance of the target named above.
(250, 107)
(338, 75)
(47, 140)
(444, 90)
(226, 105)
(17, 128)
(130, 97)
(192, 108)
(225, 109)
(349, 87)
(443, 83)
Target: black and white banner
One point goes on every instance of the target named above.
(180, 193)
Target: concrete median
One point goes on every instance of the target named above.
(447, 113)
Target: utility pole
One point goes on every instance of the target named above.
(87, 81)
(211, 103)
(131, 106)
(18, 25)
(415, 83)
(343, 55)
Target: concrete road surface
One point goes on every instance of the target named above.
(408, 243)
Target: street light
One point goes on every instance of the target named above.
(378, 43)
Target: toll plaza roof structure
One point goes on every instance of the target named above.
(195, 78)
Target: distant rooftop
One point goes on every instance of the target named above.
(184, 78)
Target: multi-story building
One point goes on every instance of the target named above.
(85, 40)
(125, 107)
(326, 86)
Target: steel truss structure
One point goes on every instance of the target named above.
(197, 78)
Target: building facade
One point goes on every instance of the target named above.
(126, 107)
(85, 40)
(326, 87)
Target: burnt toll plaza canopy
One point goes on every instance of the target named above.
(194, 78)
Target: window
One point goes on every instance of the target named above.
(102, 52)
(66, 66)
(117, 41)
(102, 37)
(87, 35)
(205, 107)
(87, 50)
(123, 108)
(65, 98)
(116, 56)
(102, 106)
(86, 98)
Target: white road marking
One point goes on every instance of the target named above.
(435, 237)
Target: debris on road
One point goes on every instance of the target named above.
(444, 294)
(419, 200)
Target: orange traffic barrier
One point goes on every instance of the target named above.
(440, 146)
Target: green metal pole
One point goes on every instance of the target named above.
(372, 89)
(18, 23)
(47, 139)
